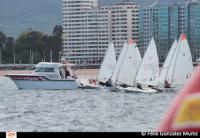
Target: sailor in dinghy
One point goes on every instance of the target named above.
(148, 72)
(105, 72)
(127, 67)
(178, 66)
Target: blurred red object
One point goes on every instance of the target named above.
(184, 113)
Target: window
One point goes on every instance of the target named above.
(44, 69)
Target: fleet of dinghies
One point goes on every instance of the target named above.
(132, 73)
(148, 72)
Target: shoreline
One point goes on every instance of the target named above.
(79, 72)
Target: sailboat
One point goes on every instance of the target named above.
(178, 66)
(148, 73)
(106, 69)
(118, 64)
(167, 69)
(108, 65)
(117, 68)
(129, 62)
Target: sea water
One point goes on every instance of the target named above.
(80, 110)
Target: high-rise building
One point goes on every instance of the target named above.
(165, 22)
(124, 23)
(88, 28)
(194, 28)
(79, 30)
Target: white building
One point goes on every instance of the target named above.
(88, 28)
(124, 23)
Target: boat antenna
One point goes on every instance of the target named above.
(51, 55)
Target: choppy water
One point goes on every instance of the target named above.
(80, 110)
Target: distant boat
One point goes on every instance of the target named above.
(167, 69)
(178, 65)
(118, 64)
(48, 76)
(126, 79)
(106, 69)
(108, 65)
(129, 65)
(148, 72)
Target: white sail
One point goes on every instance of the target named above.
(108, 64)
(118, 64)
(183, 65)
(148, 73)
(130, 65)
(167, 69)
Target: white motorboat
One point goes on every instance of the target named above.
(48, 76)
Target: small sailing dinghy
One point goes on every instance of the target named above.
(167, 69)
(148, 73)
(117, 68)
(105, 72)
(118, 64)
(128, 65)
(88, 84)
(178, 65)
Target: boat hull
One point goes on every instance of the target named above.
(42, 82)
(46, 85)
(84, 84)
(137, 90)
(133, 90)
(87, 86)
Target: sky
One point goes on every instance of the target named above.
(17, 16)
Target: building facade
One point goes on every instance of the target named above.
(79, 30)
(88, 29)
(124, 23)
(166, 22)
(163, 22)
(194, 29)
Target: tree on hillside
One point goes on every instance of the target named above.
(8, 51)
(30, 47)
(55, 43)
(2, 44)
(57, 31)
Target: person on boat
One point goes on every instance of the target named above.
(74, 76)
(62, 74)
(67, 74)
(108, 83)
(150, 86)
(167, 84)
(124, 85)
(92, 81)
(139, 86)
(102, 83)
